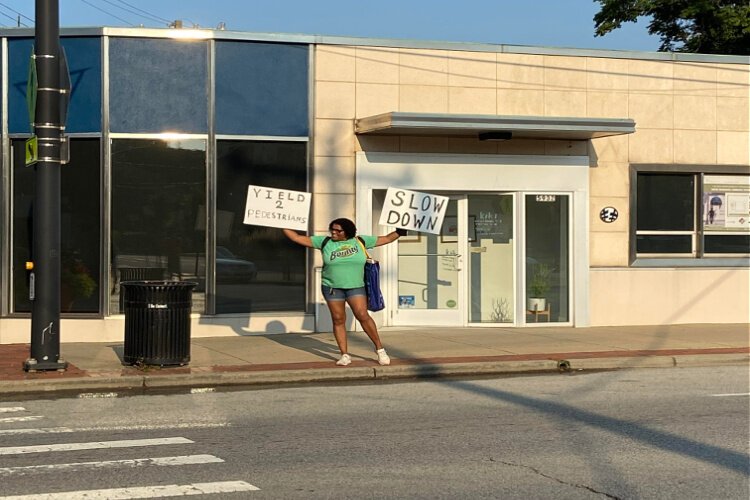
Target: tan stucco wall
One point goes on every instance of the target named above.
(664, 296)
(685, 112)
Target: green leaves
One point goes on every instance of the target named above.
(704, 26)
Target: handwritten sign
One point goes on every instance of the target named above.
(493, 224)
(413, 210)
(277, 208)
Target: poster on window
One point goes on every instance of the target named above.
(281, 208)
(726, 203)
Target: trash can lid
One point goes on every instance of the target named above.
(159, 284)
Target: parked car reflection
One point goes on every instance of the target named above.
(231, 269)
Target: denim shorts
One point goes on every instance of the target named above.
(331, 293)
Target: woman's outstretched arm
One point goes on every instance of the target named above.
(300, 239)
(390, 237)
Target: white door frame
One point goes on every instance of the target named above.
(480, 173)
(445, 316)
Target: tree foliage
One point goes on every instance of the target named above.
(703, 26)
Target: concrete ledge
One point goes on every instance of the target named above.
(456, 369)
(712, 360)
(622, 363)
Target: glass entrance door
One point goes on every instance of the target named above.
(491, 256)
(547, 250)
(430, 282)
(500, 258)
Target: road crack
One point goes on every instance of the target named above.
(575, 485)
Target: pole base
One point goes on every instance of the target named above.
(32, 365)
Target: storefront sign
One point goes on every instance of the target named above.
(282, 208)
(726, 203)
(423, 212)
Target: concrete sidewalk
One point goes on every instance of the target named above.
(415, 353)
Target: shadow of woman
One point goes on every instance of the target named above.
(306, 342)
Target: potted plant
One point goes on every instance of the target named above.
(539, 285)
(75, 281)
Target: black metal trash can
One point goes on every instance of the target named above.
(157, 322)
(138, 274)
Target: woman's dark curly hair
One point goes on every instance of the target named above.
(350, 230)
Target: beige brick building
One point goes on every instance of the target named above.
(584, 187)
(690, 116)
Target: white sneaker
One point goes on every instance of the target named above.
(383, 358)
(344, 360)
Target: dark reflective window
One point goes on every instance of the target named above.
(666, 202)
(84, 55)
(158, 213)
(158, 85)
(79, 228)
(261, 88)
(664, 243)
(729, 243)
(257, 268)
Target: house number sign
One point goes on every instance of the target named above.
(608, 214)
(546, 197)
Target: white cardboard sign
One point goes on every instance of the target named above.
(277, 208)
(423, 212)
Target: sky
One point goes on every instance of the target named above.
(553, 23)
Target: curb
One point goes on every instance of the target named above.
(711, 359)
(72, 384)
(259, 377)
(463, 369)
(392, 372)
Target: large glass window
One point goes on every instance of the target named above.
(267, 97)
(666, 213)
(158, 85)
(84, 56)
(79, 231)
(257, 268)
(726, 214)
(159, 213)
(692, 215)
(547, 257)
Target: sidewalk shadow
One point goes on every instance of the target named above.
(119, 350)
(305, 342)
(312, 342)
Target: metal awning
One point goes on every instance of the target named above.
(496, 127)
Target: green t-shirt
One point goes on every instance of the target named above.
(344, 261)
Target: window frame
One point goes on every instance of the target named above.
(697, 258)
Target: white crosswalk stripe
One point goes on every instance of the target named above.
(22, 472)
(48, 430)
(111, 428)
(138, 462)
(12, 409)
(30, 418)
(169, 490)
(125, 443)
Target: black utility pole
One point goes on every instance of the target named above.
(45, 282)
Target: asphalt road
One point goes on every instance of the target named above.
(669, 433)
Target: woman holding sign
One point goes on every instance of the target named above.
(343, 279)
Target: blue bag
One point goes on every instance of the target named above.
(375, 300)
